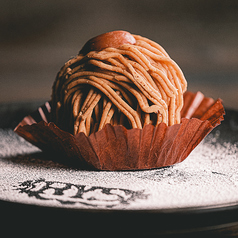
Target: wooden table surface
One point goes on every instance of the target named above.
(201, 36)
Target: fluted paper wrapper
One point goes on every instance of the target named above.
(117, 148)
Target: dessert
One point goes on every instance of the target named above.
(121, 104)
(121, 79)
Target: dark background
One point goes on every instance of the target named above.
(38, 37)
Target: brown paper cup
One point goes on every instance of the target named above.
(116, 148)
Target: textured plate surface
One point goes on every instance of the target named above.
(207, 179)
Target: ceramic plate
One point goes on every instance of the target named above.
(205, 183)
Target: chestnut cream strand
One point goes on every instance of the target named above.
(131, 84)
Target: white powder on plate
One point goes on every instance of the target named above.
(208, 177)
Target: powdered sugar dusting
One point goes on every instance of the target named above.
(208, 177)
